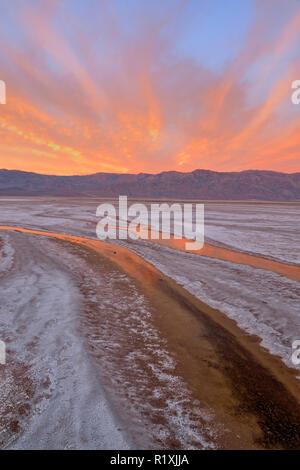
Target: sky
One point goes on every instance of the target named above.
(132, 86)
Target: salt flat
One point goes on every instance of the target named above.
(39, 286)
(255, 298)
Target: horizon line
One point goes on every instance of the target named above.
(150, 174)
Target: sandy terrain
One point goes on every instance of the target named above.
(189, 375)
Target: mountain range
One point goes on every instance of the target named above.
(198, 184)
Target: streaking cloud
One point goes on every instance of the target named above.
(145, 87)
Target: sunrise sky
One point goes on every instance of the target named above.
(148, 86)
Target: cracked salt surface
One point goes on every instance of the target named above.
(65, 406)
(73, 344)
(133, 357)
(263, 303)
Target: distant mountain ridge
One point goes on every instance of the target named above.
(198, 184)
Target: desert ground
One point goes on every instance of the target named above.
(138, 344)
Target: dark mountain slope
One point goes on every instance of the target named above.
(199, 184)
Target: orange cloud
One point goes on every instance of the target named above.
(137, 106)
